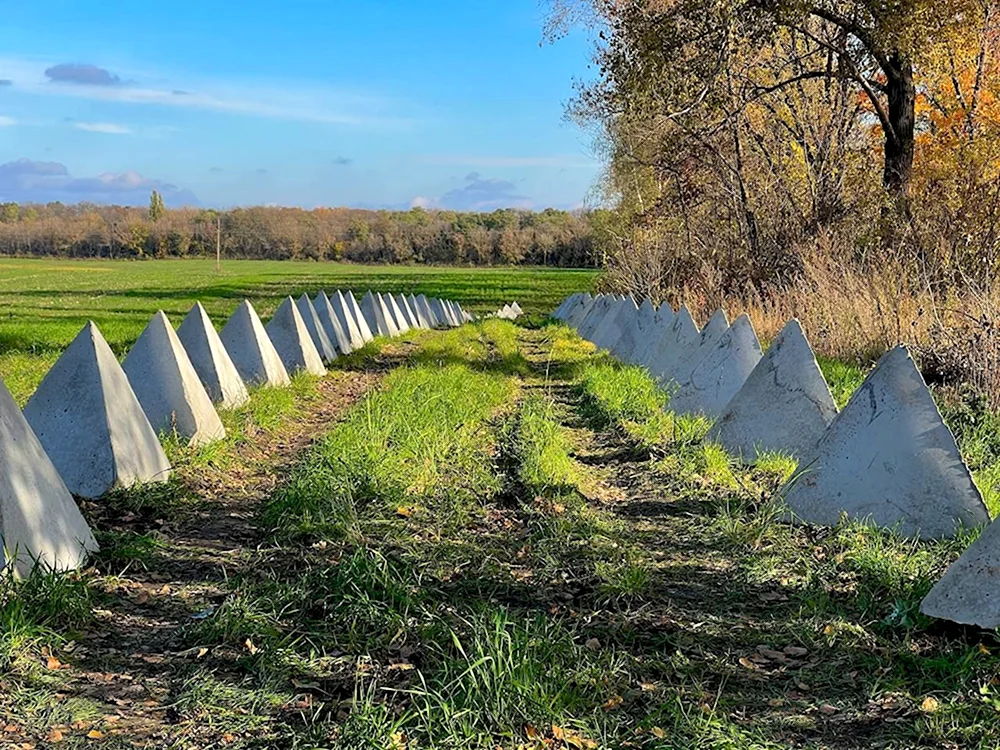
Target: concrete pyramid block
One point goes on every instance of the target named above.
(211, 361)
(377, 315)
(563, 308)
(354, 309)
(601, 307)
(453, 316)
(292, 341)
(325, 347)
(344, 339)
(685, 362)
(347, 324)
(635, 332)
(90, 423)
(721, 373)
(251, 349)
(402, 325)
(613, 325)
(579, 311)
(969, 591)
(168, 387)
(408, 312)
(39, 521)
(425, 306)
(418, 312)
(785, 405)
(676, 342)
(666, 312)
(516, 308)
(888, 459)
(716, 326)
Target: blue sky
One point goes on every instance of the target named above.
(380, 103)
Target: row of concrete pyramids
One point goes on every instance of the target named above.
(92, 423)
(510, 311)
(887, 459)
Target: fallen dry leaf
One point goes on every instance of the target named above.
(531, 732)
(250, 646)
(593, 644)
(827, 709)
(94, 734)
(53, 663)
(55, 735)
(612, 703)
(929, 705)
(747, 663)
(659, 733)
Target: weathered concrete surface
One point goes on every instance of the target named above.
(325, 347)
(402, 325)
(610, 329)
(888, 459)
(418, 312)
(674, 344)
(601, 307)
(635, 332)
(90, 423)
(969, 591)
(346, 340)
(355, 310)
(39, 522)
(580, 311)
(785, 405)
(251, 349)
(562, 311)
(377, 316)
(720, 373)
(346, 323)
(292, 341)
(440, 314)
(211, 361)
(683, 365)
(453, 314)
(516, 308)
(411, 315)
(168, 387)
(717, 325)
(432, 319)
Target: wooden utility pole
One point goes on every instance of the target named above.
(218, 242)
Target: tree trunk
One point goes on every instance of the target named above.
(901, 95)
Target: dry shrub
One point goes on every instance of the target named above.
(855, 314)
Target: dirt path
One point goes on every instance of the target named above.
(128, 662)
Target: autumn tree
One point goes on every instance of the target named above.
(156, 207)
(681, 61)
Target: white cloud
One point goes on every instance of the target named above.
(282, 100)
(6, 122)
(109, 128)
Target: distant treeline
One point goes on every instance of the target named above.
(503, 237)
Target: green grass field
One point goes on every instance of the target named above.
(486, 537)
(491, 537)
(44, 303)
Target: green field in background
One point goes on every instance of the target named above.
(44, 303)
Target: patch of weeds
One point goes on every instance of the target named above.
(843, 378)
(39, 610)
(123, 549)
(541, 449)
(226, 706)
(614, 394)
(147, 500)
(568, 353)
(422, 440)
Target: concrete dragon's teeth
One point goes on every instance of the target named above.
(210, 359)
(90, 422)
(168, 387)
(889, 459)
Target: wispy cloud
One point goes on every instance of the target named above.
(6, 82)
(563, 161)
(108, 128)
(287, 101)
(6, 122)
(27, 181)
